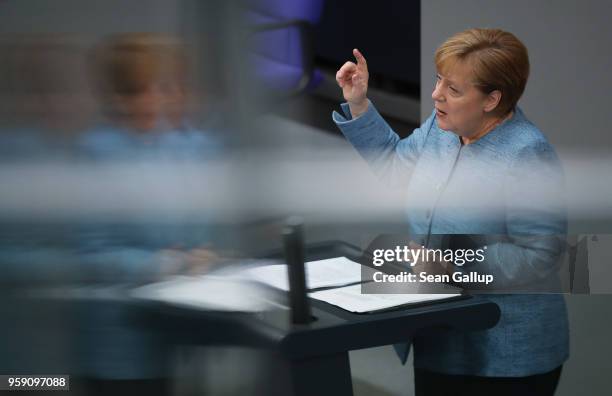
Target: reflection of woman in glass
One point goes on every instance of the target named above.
(142, 88)
(477, 165)
(144, 94)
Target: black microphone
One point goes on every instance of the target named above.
(293, 241)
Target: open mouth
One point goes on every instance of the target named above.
(440, 112)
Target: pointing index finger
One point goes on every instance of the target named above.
(361, 62)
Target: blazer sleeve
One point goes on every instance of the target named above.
(391, 158)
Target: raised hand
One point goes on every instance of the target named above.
(353, 79)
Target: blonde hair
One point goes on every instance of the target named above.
(499, 61)
(126, 64)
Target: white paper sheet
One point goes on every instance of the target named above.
(321, 273)
(209, 292)
(351, 299)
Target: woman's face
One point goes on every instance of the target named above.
(460, 106)
(142, 110)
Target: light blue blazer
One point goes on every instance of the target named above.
(504, 184)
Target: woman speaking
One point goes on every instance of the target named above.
(477, 165)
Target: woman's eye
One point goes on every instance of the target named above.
(454, 90)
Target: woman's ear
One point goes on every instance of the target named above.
(492, 100)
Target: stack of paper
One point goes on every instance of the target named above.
(235, 290)
(351, 299)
